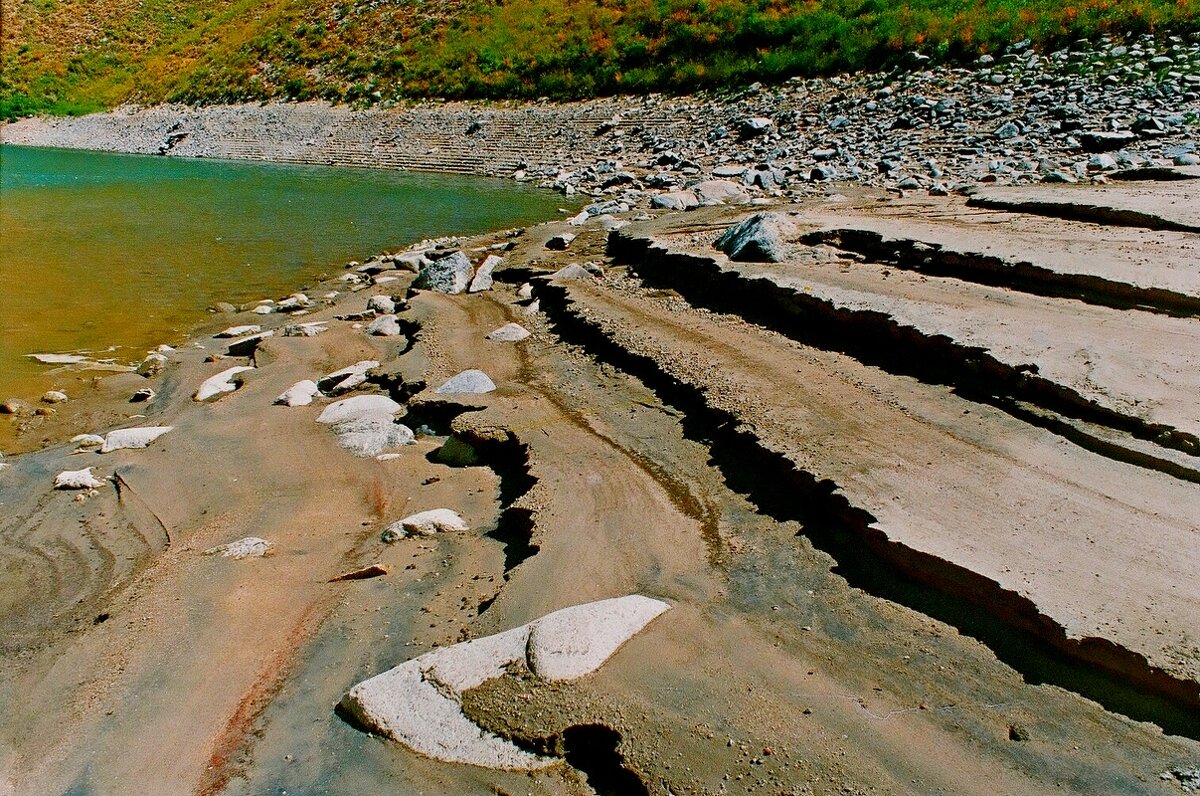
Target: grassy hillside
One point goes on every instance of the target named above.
(71, 56)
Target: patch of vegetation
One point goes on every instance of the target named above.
(73, 56)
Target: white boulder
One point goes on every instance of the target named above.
(347, 378)
(426, 523)
(77, 479)
(469, 381)
(219, 384)
(381, 304)
(372, 435)
(358, 407)
(299, 394)
(132, 438)
(483, 276)
(238, 331)
(508, 333)
(384, 326)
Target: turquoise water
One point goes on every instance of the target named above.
(101, 251)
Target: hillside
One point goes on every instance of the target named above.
(74, 56)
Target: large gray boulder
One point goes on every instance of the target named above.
(450, 274)
(675, 200)
(763, 237)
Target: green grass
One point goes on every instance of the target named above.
(237, 50)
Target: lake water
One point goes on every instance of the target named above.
(115, 254)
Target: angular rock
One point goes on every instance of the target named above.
(142, 395)
(299, 394)
(426, 523)
(483, 275)
(469, 381)
(311, 329)
(132, 438)
(347, 378)
(1105, 141)
(296, 301)
(763, 237)
(755, 126)
(152, 365)
(220, 384)
(77, 479)
(246, 346)
(574, 271)
(508, 333)
(246, 547)
(560, 242)
(450, 274)
(85, 442)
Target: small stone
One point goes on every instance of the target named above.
(54, 397)
(572, 272)
(84, 442)
(525, 292)
(247, 547)
(142, 395)
(238, 331)
(509, 333)
(1006, 131)
(384, 305)
(426, 523)
(152, 365)
(17, 407)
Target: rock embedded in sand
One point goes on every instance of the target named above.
(347, 378)
(132, 438)
(483, 276)
(58, 359)
(54, 397)
(763, 237)
(384, 326)
(451, 274)
(86, 442)
(426, 523)
(418, 703)
(152, 365)
(77, 479)
(142, 395)
(299, 394)
(573, 271)
(246, 346)
(508, 333)
(246, 547)
(358, 407)
(720, 192)
(296, 301)
(17, 407)
(311, 329)
(675, 200)
(373, 434)
(220, 384)
(384, 305)
(469, 381)
(560, 241)
(238, 331)
(525, 292)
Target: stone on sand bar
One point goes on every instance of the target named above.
(58, 359)
(132, 438)
(310, 329)
(469, 381)
(299, 394)
(219, 384)
(574, 271)
(152, 364)
(238, 331)
(77, 479)
(247, 547)
(347, 378)
(561, 241)
(426, 523)
(508, 333)
(384, 305)
(54, 397)
(418, 703)
(358, 407)
(84, 442)
(763, 237)
(246, 346)
(483, 276)
(384, 326)
(372, 435)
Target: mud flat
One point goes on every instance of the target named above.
(920, 496)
